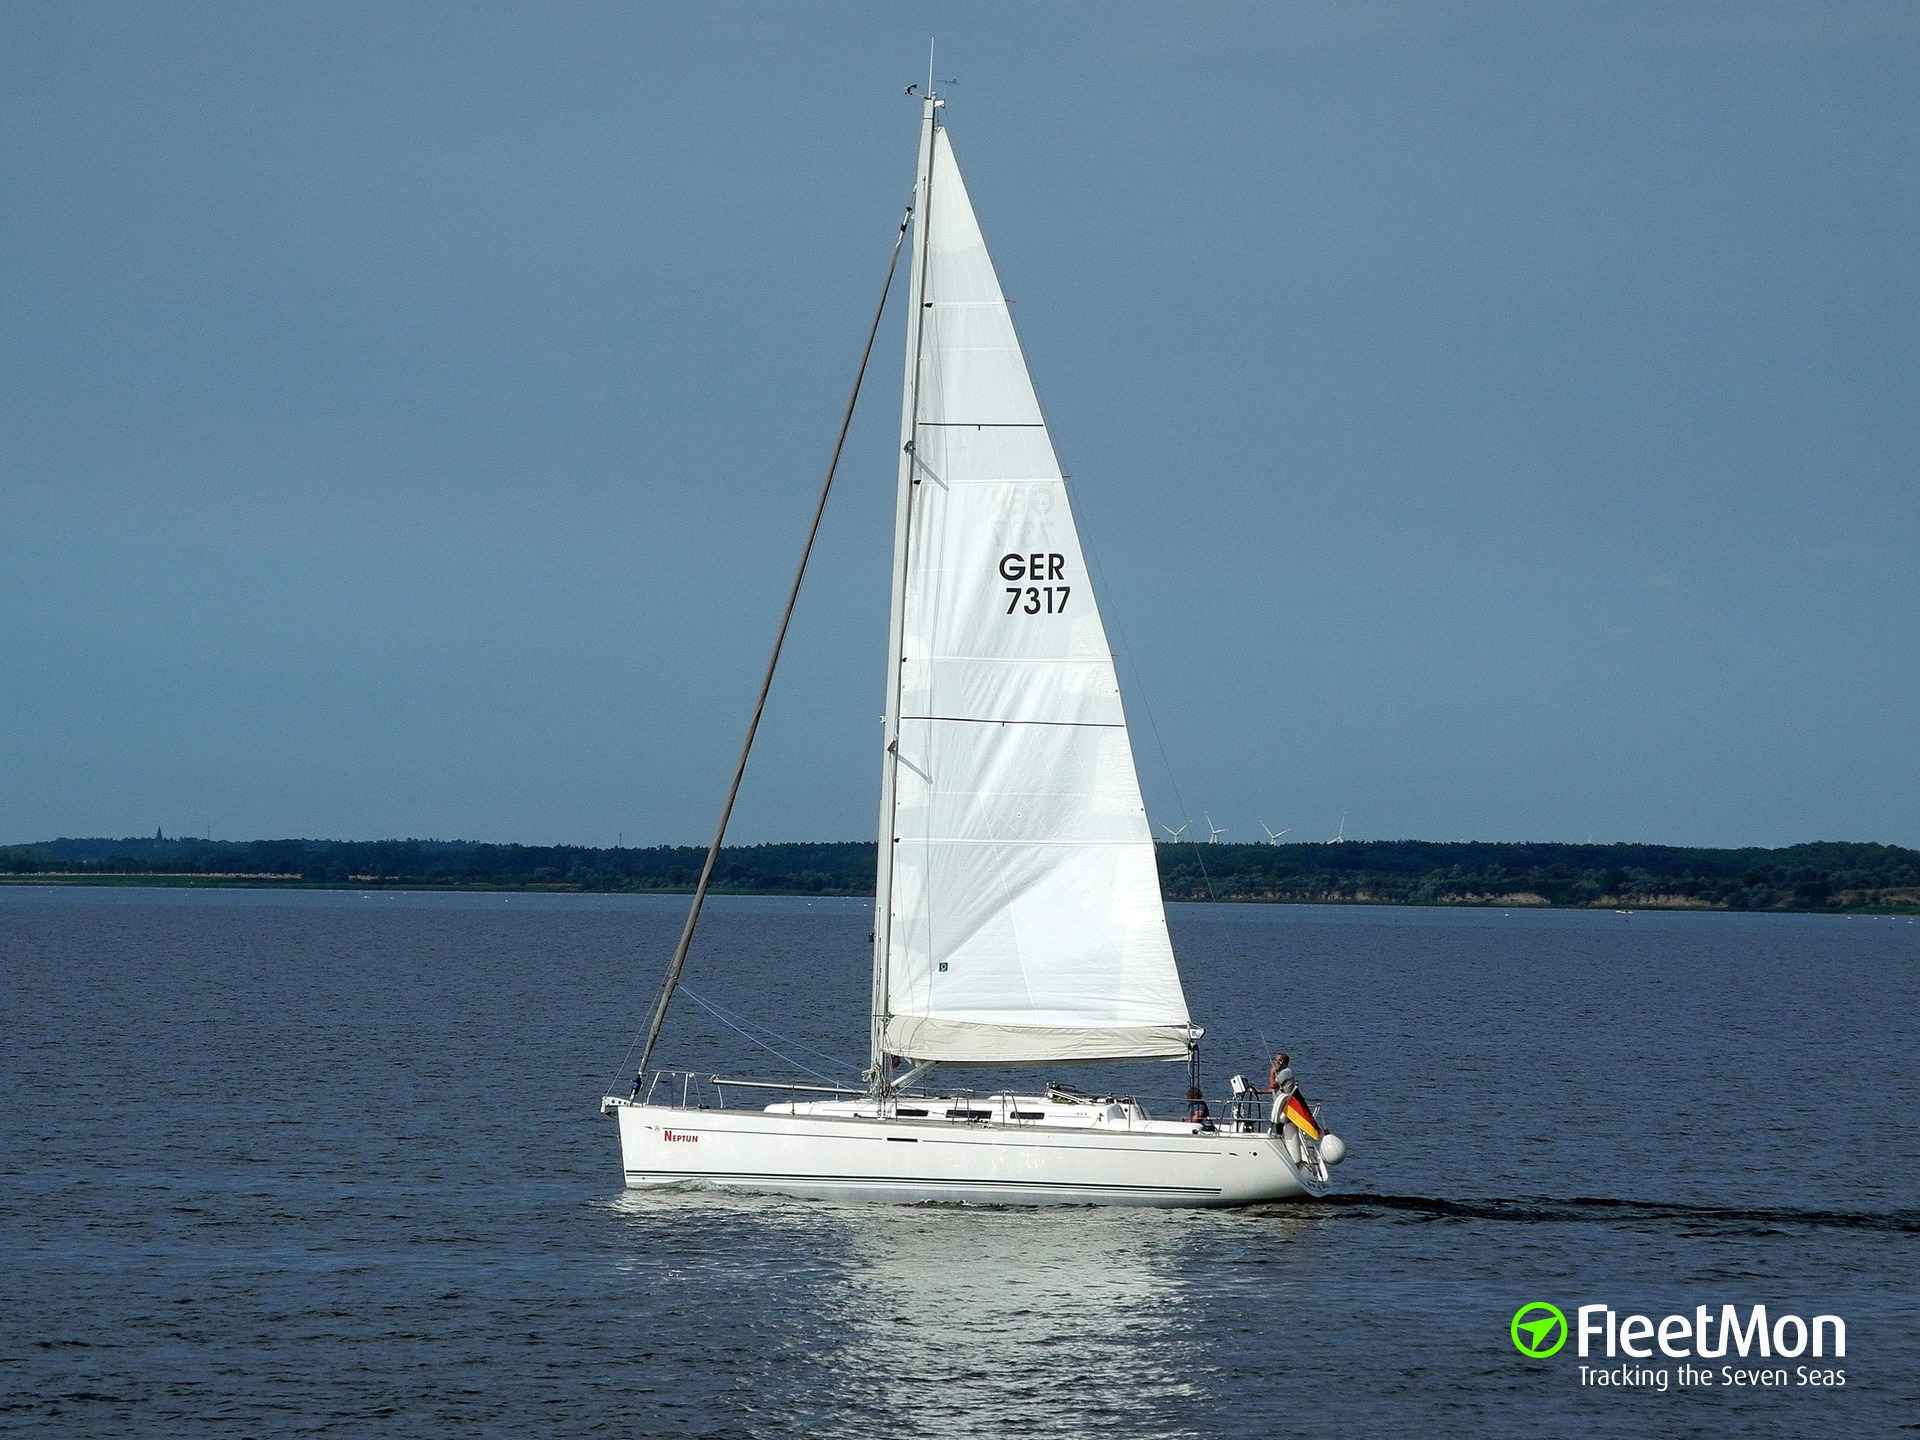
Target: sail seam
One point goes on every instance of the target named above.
(956, 840)
(1006, 660)
(991, 720)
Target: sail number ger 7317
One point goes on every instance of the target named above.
(1040, 599)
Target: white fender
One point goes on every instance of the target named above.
(1290, 1142)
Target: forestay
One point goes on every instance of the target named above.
(1024, 902)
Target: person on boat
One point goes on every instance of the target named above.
(639, 1079)
(1280, 1077)
(1197, 1111)
(1280, 1084)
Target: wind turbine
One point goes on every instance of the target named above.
(1273, 836)
(1214, 832)
(1341, 838)
(1173, 835)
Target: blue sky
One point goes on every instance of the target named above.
(1492, 421)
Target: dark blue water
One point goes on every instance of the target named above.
(292, 1164)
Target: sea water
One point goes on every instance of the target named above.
(329, 1163)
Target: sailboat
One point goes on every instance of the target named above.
(1018, 916)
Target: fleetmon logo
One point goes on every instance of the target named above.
(1539, 1330)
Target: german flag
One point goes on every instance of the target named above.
(1296, 1110)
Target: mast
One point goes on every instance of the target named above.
(896, 617)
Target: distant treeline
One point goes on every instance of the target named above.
(1822, 876)
(826, 869)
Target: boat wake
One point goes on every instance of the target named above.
(1651, 1214)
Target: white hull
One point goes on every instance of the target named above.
(795, 1150)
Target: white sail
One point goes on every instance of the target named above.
(1022, 916)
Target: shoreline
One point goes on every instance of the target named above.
(239, 881)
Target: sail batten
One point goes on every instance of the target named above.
(1023, 921)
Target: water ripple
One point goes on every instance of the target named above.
(1540, 1209)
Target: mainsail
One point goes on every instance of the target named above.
(1019, 914)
